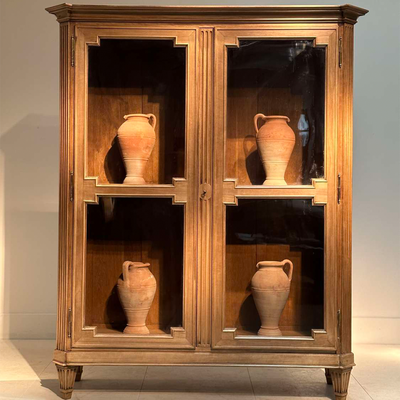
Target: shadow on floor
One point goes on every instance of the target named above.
(101, 385)
(266, 382)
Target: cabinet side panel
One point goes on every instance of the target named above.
(346, 155)
(65, 205)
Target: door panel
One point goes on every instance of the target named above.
(275, 71)
(134, 70)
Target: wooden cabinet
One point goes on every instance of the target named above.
(204, 218)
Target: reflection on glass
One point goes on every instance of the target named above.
(304, 129)
(127, 76)
(275, 77)
(275, 230)
(139, 230)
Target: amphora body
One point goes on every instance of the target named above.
(275, 143)
(136, 293)
(270, 287)
(136, 137)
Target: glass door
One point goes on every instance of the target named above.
(134, 188)
(274, 205)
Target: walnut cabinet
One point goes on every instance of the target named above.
(204, 218)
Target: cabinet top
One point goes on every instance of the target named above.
(207, 14)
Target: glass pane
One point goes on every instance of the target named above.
(275, 230)
(138, 230)
(136, 77)
(276, 78)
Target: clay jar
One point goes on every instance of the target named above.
(136, 137)
(136, 293)
(270, 287)
(275, 142)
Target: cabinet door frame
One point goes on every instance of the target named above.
(322, 191)
(87, 189)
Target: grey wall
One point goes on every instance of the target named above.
(29, 168)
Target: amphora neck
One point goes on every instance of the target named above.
(137, 117)
(277, 118)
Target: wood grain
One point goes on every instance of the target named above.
(345, 143)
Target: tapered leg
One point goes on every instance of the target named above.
(340, 381)
(66, 376)
(79, 374)
(328, 376)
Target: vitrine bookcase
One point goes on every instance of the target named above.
(204, 218)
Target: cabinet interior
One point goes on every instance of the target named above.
(128, 76)
(275, 77)
(274, 230)
(148, 230)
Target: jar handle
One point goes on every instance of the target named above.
(125, 271)
(153, 118)
(290, 274)
(256, 117)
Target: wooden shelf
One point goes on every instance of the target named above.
(285, 333)
(103, 329)
(177, 191)
(318, 191)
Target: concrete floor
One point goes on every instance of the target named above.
(26, 372)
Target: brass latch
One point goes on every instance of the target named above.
(205, 191)
(73, 45)
(69, 322)
(339, 189)
(340, 52)
(71, 186)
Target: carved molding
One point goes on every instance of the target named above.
(65, 206)
(320, 37)
(92, 36)
(206, 114)
(318, 192)
(92, 190)
(320, 197)
(203, 14)
(176, 333)
(316, 335)
(92, 337)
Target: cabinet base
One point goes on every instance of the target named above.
(200, 357)
(337, 375)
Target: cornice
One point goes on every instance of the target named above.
(207, 14)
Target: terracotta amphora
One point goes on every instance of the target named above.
(136, 293)
(275, 142)
(136, 137)
(270, 287)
